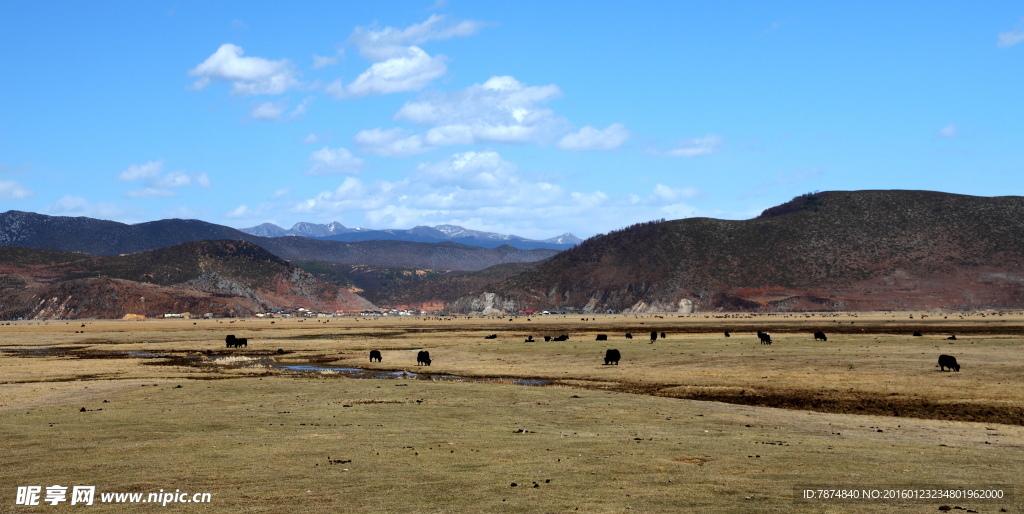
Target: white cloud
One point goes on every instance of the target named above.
(390, 143)
(336, 89)
(948, 131)
(499, 110)
(470, 170)
(399, 64)
(1010, 38)
(156, 183)
(311, 139)
(11, 190)
(590, 138)
(323, 62)
(280, 192)
(135, 172)
(238, 212)
(77, 206)
(268, 111)
(328, 161)
(150, 192)
(247, 75)
(476, 189)
(669, 194)
(174, 179)
(412, 70)
(696, 147)
(387, 43)
(300, 109)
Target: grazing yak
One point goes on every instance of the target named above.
(602, 337)
(529, 339)
(951, 338)
(820, 336)
(562, 337)
(948, 361)
(492, 336)
(611, 357)
(629, 335)
(236, 342)
(917, 334)
(375, 355)
(726, 334)
(547, 338)
(663, 335)
(654, 336)
(423, 358)
(764, 337)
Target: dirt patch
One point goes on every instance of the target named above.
(838, 402)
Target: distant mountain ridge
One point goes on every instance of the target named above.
(100, 237)
(422, 234)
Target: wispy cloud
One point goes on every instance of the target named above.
(590, 138)
(948, 131)
(706, 145)
(413, 70)
(247, 75)
(399, 62)
(1010, 38)
(332, 161)
(156, 183)
(393, 142)
(11, 190)
(502, 109)
(483, 190)
(389, 42)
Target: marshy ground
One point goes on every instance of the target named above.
(167, 406)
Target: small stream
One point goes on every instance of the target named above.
(268, 362)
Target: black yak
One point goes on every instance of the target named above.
(235, 342)
(654, 336)
(820, 336)
(602, 337)
(629, 336)
(917, 334)
(764, 337)
(423, 358)
(611, 357)
(948, 361)
(492, 336)
(562, 337)
(375, 355)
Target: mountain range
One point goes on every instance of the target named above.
(829, 251)
(421, 234)
(100, 237)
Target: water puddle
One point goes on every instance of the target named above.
(267, 362)
(383, 374)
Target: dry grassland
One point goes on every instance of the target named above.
(168, 407)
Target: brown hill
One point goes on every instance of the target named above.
(839, 250)
(221, 277)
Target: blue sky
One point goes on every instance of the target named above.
(529, 118)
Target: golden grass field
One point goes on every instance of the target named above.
(167, 406)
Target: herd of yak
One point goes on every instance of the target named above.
(611, 356)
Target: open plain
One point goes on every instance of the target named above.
(697, 421)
